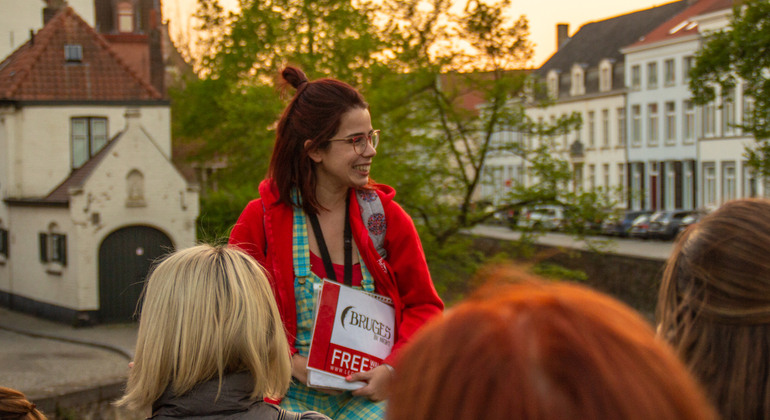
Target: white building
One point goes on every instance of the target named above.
(586, 76)
(90, 197)
(680, 155)
(723, 169)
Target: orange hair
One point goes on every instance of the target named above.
(542, 351)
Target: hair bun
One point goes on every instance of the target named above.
(294, 76)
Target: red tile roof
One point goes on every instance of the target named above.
(38, 71)
(680, 25)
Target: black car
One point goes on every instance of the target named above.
(621, 226)
(665, 224)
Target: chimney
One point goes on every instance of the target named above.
(562, 35)
(52, 8)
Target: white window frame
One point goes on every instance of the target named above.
(669, 72)
(591, 129)
(689, 133)
(709, 184)
(670, 123)
(653, 124)
(636, 77)
(729, 113)
(652, 75)
(621, 126)
(636, 125)
(606, 128)
(729, 182)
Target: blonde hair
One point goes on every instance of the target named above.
(14, 406)
(207, 311)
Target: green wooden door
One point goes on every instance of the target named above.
(125, 258)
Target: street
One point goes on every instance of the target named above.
(632, 247)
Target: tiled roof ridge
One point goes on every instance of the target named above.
(106, 45)
(47, 32)
(38, 43)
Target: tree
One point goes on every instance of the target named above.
(416, 69)
(740, 54)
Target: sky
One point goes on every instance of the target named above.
(543, 15)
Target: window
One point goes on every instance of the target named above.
(578, 174)
(636, 77)
(669, 69)
(3, 244)
(89, 135)
(749, 181)
(689, 122)
(636, 125)
(728, 112)
(652, 124)
(577, 130)
(709, 120)
(622, 180)
(566, 134)
(687, 185)
(73, 53)
(53, 247)
(591, 130)
(670, 125)
(728, 181)
(606, 128)
(652, 75)
(591, 177)
(687, 64)
(125, 17)
(709, 184)
(578, 81)
(748, 105)
(553, 84)
(606, 173)
(621, 127)
(606, 81)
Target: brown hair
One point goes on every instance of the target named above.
(714, 306)
(314, 113)
(542, 351)
(14, 406)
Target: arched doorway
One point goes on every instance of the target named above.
(125, 258)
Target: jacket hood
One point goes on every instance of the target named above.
(268, 191)
(200, 401)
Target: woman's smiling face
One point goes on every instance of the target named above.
(338, 165)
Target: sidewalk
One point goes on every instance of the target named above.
(49, 361)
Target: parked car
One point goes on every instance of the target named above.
(547, 217)
(620, 225)
(665, 224)
(640, 226)
(691, 219)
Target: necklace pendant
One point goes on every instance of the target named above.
(301, 280)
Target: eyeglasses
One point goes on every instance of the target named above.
(360, 142)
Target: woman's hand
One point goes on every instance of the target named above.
(377, 383)
(299, 372)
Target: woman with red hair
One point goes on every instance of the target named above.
(319, 176)
(542, 351)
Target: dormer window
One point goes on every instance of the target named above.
(605, 76)
(578, 81)
(73, 53)
(125, 17)
(553, 84)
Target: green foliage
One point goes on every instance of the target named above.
(417, 68)
(557, 272)
(220, 210)
(740, 54)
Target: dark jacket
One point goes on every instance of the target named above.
(234, 403)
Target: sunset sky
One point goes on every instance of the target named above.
(543, 15)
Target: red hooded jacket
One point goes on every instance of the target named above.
(267, 236)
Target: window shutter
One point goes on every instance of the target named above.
(62, 249)
(44, 247)
(4, 242)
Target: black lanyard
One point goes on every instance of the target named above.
(348, 236)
